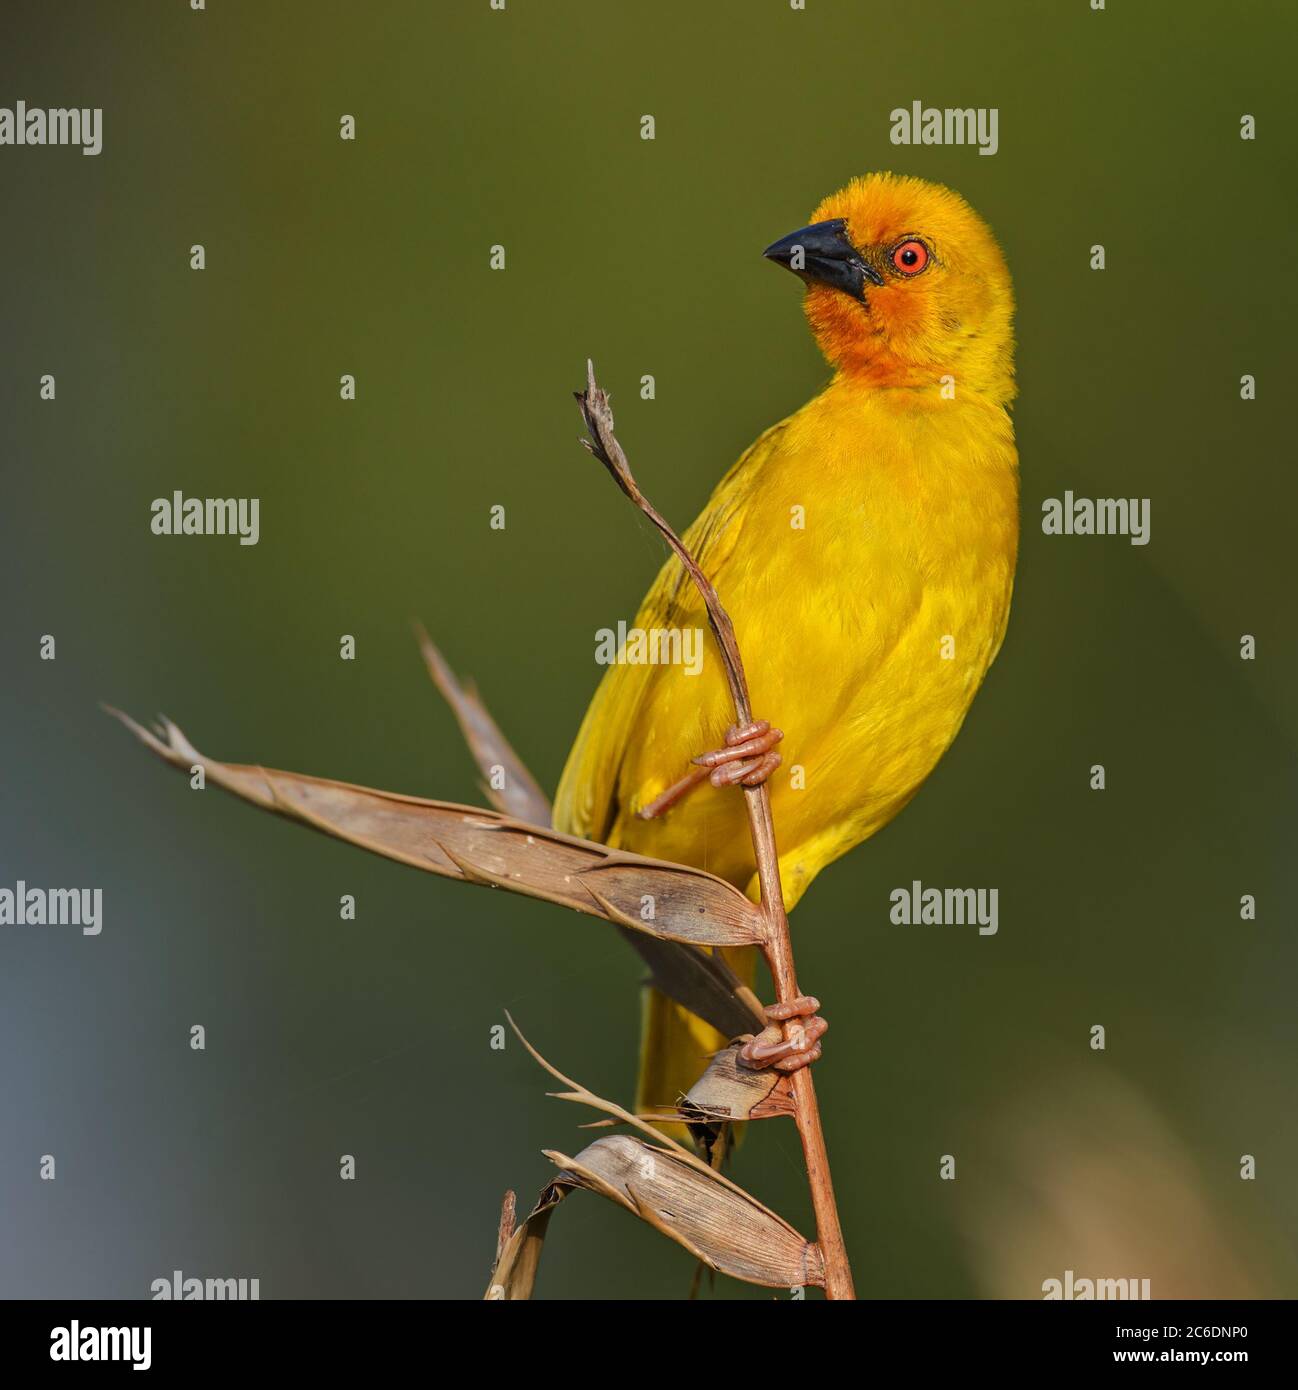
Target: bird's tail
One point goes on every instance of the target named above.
(675, 1044)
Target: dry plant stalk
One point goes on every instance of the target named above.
(515, 848)
(776, 944)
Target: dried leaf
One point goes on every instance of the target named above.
(680, 1195)
(486, 847)
(716, 1222)
(702, 982)
(520, 796)
(727, 1091)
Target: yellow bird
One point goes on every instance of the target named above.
(865, 548)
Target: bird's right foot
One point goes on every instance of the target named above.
(748, 759)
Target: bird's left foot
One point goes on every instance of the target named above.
(787, 1048)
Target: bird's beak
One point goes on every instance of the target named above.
(822, 255)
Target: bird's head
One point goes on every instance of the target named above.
(905, 284)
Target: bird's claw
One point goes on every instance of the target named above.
(747, 757)
(791, 1038)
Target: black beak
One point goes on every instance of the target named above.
(822, 255)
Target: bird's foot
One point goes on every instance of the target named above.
(748, 758)
(791, 1038)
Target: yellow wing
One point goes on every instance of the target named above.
(590, 797)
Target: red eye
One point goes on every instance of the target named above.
(910, 257)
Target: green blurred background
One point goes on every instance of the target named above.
(371, 1037)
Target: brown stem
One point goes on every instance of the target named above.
(777, 947)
